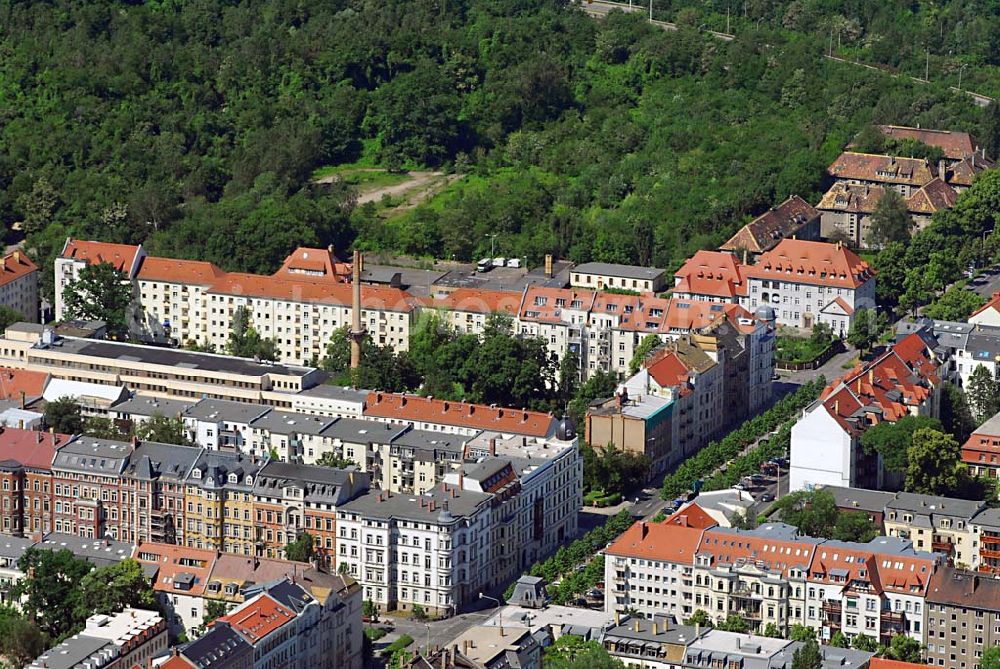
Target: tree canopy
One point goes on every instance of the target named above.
(101, 292)
(574, 652)
(63, 416)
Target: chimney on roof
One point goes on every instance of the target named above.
(17, 256)
(548, 265)
(461, 478)
(656, 629)
(643, 530)
(493, 446)
(636, 624)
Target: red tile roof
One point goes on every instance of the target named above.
(173, 560)
(690, 315)
(692, 515)
(993, 304)
(461, 414)
(881, 663)
(711, 273)
(13, 382)
(316, 264)
(15, 266)
(122, 256)
(899, 379)
(814, 263)
(31, 449)
(881, 169)
(175, 662)
(954, 144)
(982, 448)
(783, 221)
(728, 547)
(179, 271)
(965, 172)
(665, 542)
(548, 304)
(668, 370)
(298, 290)
(259, 617)
(477, 301)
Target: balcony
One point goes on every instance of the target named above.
(945, 547)
(992, 539)
(832, 612)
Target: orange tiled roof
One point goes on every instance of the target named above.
(179, 271)
(15, 266)
(13, 382)
(815, 263)
(668, 370)
(462, 414)
(994, 304)
(691, 515)
(713, 273)
(547, 304)
(122, 256)
(477, 301)
(173, 561)
(901, 378)
(175, 662)
(783, 221)
(258, 618)
(882, 663)
(316, 264)
(953, 143)
(933, 196)
(667, 542)
(881, 169)
(298, 290)
(777, 554)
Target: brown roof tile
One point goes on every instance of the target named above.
(783, 221)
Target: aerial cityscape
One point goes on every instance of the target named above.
(496, 334)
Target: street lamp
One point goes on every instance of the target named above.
(482, 596)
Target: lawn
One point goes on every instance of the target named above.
(799, 349)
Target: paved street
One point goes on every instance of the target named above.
(987, 284)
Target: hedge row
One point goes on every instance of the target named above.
(704, 463)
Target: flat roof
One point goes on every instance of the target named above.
(170, 357)
(550, 616)
(625, 271)
(70, 653)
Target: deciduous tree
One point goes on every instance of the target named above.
(63, 416)
(983, 393)
(101, 292)
(935, 464)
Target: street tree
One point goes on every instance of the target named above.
(866, 328)
(983, 393)
(101, 292)
(63, 416)
(935, 464)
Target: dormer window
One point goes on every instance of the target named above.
(196, 473)
(233, 478)
(249, 480)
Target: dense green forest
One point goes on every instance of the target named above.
(194, 127)
(933, 38)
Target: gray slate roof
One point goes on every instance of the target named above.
(873, 501)
(228, 411)
(216, 466)
(329, 391)
(153, 461)
(142, 405)
(446, 510)
(324, 485)
(93, 456)
(288, 422)
(357, 431)
(216, 648)
(930, 505)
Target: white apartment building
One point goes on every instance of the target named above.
(771, 575)
(826, 449)
(19, 285)
(77, 254)
(810, 282)
(431, 549)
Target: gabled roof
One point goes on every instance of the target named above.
(317, 264)
(307, 290)
(983, 445)
(851, 198)
(550, 304)
(179, 271)
(16, 265)
(122, 256)
(668, 371)
(885, 388)
(815, 263)
(711, 273)
(935, 195)
(212, 649)
(963, 173)
(258, 618)
(953, 143)
(783, 221)
(881, 169)
(401, 406)
(181, 570)
(691, 515)
(618, 271)
(666, 542)
(772, 550)
(28, 448)
(993, 304)
(474, 300)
